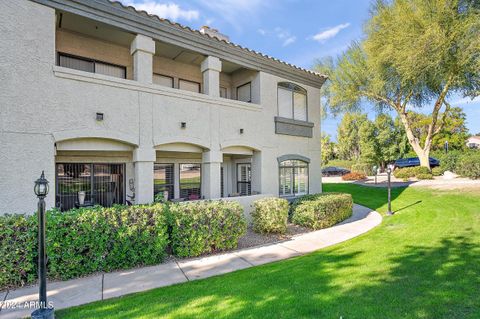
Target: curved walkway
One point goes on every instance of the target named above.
(84, 290)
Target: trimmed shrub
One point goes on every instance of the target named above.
(425, 176)
(205, 226)
(84, 241)
(363, 168)
(270, 215)
(407, 172)
(18, 250)
(340, 163)
(355, 176)
(322, 210)
(438, 171)
(448, 161)
(468, 165)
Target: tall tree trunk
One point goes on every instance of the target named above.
(422, 153)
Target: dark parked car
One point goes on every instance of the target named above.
(334, 171)
(414, 161)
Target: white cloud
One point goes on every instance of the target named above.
(289, 40)
(329, 33)
(262, 31)
(170, 10)
(284, 35)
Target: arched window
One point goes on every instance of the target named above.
(293, 177)
(292, 101)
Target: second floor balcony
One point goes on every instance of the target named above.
(91, 46)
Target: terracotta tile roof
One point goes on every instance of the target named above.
(178, 25)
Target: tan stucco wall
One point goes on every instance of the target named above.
(52, 104)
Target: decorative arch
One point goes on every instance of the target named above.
(290, 157)
(193, 141)
(240, 143)
(95, 134)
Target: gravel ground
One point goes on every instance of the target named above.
(252, 239)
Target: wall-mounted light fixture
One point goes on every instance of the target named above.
(241, 131)
(99, 117)
(183, 125)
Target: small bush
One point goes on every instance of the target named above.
(270, 215)
(83, 241)
(322, 210)
(363, 168)
(438, 171)
(18, 250)
(425, 176)
(353, 176)
(205, 226)
(468, 165)
(408, 172)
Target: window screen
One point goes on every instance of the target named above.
(300, 106)
(292, 101)
(189, 86)
(190, 181)
(285, 107)
(163, 179)
(244, 177)
(293, 178)
(110, 70)
(163, 80)
(89, 65)
(244, 93)
(76, 63)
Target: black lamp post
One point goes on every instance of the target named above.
(41, 190)
(389, 173)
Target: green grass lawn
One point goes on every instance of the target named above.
(423, 262)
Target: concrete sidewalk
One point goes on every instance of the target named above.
(84, 290)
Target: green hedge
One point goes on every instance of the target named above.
(363, 168)
(322, 210)
(206, 226)
(468, 165)
(83, 241)
(438, 171)
(270, 215)
(18, 242)
(407, 172)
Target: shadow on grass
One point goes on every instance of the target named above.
(405, 207)
(439, 281)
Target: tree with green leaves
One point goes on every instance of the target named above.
(368, 143)
(415, 54)
(389, 140)
(348, 138)
(328, 148)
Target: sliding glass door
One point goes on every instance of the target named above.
(86, 184)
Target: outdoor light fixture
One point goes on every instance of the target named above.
(375, 173)
(99, 117)
(389, 173)
(44, 311)
(241, 131)
(183, 125)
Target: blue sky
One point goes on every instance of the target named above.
(295, 31)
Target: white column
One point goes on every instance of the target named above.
(257, 172)
(142, 49)
(211, 163)
(143, 159)
(211, 68)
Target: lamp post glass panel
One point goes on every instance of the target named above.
(375, 173)
(41, 190)
(389, 173)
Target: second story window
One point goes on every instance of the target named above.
(244, 92)
(292, 101)
(163, 80)
(189, 86)
(90, 65)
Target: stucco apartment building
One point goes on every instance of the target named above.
(117, 103)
